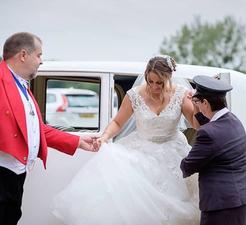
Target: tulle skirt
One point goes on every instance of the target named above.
(131, 183)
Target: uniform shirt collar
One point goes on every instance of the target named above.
(219, 113)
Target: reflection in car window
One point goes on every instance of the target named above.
(72, 104)
(115, 100)
(50, 98)
(83, 100)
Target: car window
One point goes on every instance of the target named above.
(83, 100)
(121, 85)
(72, 104)
(51, 98)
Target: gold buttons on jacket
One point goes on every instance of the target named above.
(25, 158)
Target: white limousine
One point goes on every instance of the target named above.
(87, 111)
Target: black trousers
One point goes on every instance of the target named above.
(233, 216)
(11, 191)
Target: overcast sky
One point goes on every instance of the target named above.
(127, 30)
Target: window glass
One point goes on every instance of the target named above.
(72, 104)
(82, 100)
(115, 104)
(51, 98)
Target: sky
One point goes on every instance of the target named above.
(108, 30)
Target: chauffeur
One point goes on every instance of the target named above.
(219, 156)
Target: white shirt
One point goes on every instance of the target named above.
(33, 135)
(220, 113)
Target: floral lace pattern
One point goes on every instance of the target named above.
(147, 121)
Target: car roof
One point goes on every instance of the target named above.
(126, 68)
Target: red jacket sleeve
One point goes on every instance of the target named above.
(60, 140)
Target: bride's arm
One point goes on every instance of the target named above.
(189, 110)
(119, 120)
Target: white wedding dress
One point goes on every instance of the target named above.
(137, 180)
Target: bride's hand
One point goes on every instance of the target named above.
(190, 93)
(101, 140)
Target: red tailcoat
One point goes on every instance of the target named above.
(13, 130)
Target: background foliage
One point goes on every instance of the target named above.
(221, 44)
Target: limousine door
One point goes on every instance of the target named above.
(68, 89)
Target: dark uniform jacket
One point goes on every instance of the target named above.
(219, 156)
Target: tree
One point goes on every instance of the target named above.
(222, 44)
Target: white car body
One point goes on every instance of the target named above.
(41, 185)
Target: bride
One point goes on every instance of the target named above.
(137, 180)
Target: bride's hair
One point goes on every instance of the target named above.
(163, 66)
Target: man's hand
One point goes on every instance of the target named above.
(88, 143)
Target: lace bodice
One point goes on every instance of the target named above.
(157, 128)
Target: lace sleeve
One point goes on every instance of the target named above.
(181, 90)
(133, 95)
(183, 123)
